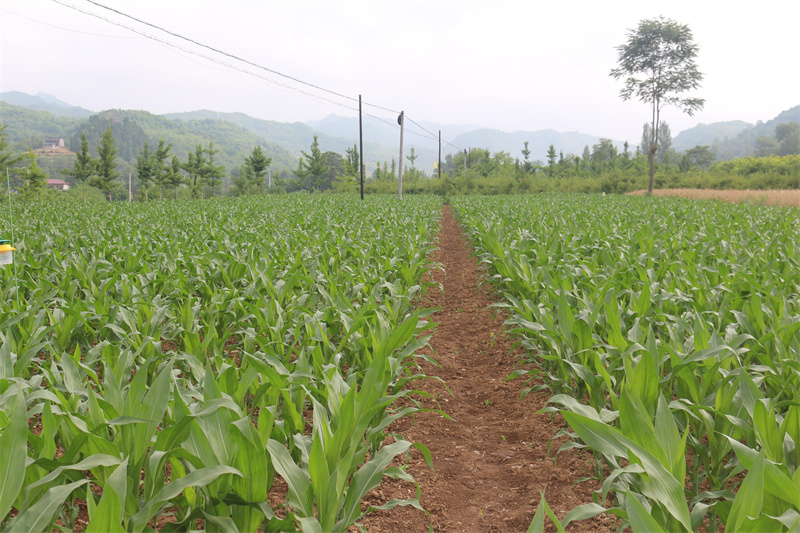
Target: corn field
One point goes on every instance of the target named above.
(163, 363)
(669, 333)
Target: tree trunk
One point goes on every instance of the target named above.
(654, 142)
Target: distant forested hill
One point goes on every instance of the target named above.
(132, 128)
(297, 136)
(729, 140)
(706, 134)
(44, 102)
(27, 129)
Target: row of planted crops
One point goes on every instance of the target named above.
(669, 333)
(235, 365)
(162, 365)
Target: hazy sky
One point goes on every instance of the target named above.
(520, 65)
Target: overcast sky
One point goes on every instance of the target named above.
(520, 65)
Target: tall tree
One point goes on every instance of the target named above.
(337, 167)
(144, 168)
(84, 166)
(551, 160)
(257, 162)
(161, 169)
(251, 175)
(377, 174)
(585, 157)
(527, 164)
(106, 164)
(34, 178)
(352, 161)
(175, 178)
(411, 158)
(658, 65)
(210, 174)
(311, 167)
(193, 167)
(647, 138)
(242, 181)
(664, 142)
(626, 155)
(604, 156)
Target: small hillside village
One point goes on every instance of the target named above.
(53, 146)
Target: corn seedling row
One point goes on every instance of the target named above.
(669, 331)
(165, 362)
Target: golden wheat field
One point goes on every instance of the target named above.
(784, 198)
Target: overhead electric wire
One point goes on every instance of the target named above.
(430, 135)
(194, 52)
(433, 135)
(68, 29)
(232, 56)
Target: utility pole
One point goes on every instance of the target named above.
(440, 154)
(465, 159)
(130, 194)
(361, 147)
(400, 120)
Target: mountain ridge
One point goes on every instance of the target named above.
(336, 133)
(44, 102)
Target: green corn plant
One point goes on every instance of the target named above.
(621, 309)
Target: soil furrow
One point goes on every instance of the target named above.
(491, 461)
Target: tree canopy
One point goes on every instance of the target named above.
(83, 168)
(312, 168)
(657, 64)
(105, 178)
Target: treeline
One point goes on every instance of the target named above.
(158, 172)
(604, 168)
(28, 128)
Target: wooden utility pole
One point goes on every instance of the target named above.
(400, 120)
(361, 147)
(440, 154)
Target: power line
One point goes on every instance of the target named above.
(179, 36)
(198, 54)
(239, 69)
(433, 135)
(394, 125)
(67, 29)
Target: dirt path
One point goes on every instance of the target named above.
(491, 462)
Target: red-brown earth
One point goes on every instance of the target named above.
(492, 461)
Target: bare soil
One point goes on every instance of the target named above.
(491, 462)
(785, 198)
